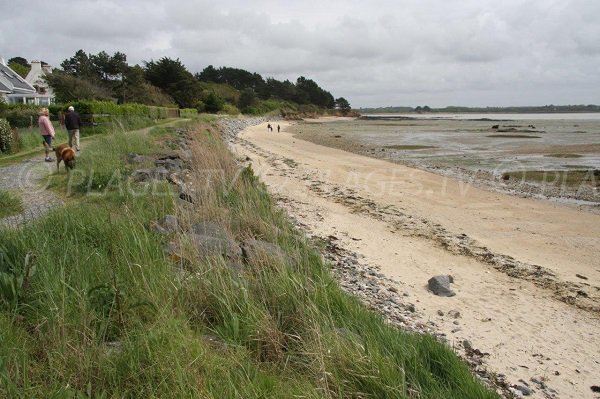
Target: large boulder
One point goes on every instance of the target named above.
(208, 246)
(256, 250)
(440, 285)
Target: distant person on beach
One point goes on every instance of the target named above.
(72, 123)
(269, 128)
(47, 132)
(278, 128)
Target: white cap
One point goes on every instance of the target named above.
(71, 108)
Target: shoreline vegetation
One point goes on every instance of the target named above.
(158, 279)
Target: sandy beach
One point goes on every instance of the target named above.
(526, 272)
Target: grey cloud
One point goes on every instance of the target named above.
(382, 53)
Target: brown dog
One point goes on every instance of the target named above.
(66, 154)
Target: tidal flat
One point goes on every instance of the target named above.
(543, 155)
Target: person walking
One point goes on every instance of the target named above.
(47, 132)
(278, 128)
(72, 123)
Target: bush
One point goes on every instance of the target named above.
(5, 136)
(188, 112)
(229, 109)
(21, 115)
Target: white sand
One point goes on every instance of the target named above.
(526, 330)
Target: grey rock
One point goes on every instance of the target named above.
(173, 251)
(455, 314)
(161, 173)
(170, 223)
(467, 344)
(135, 158)
(214, 246)
(141, 175)
(524, 390)
(186, 155)
(440, 285)
(209, 229)
(254, 250)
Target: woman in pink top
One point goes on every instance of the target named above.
(47, 132)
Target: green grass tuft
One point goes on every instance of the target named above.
(10, 204)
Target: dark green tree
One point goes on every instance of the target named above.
(309, 92)
(247, 99)
(80, 66)
(72, 88)
(209, 74)
(343, 105)
(175, 80)
(19, 60)
(213, 103)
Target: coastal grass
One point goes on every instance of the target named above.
(10, 204)
(92, 307)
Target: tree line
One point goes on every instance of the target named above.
(167, 82)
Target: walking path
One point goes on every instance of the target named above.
(29, 179)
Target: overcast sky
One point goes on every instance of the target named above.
(373, 53)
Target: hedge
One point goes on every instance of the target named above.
(20, 115)
(113, 109)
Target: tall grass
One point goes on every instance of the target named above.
(10, 204)
(90, 305)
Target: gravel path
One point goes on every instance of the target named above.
(29, 179)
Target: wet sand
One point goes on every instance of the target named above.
(526, 272)
(480, 151)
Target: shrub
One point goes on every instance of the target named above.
(5, 136)
(21, 115)
(188, 112)
(229, 109)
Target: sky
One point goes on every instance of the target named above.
(373, 53)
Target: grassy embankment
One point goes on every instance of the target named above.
(92, 307)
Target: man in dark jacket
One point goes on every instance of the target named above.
(72, 123)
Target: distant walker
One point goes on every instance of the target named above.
(73, 123)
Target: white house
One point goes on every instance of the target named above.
(11, 84)
(43, 94)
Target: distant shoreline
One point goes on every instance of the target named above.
(545, 109)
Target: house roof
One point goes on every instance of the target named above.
(11, 82)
